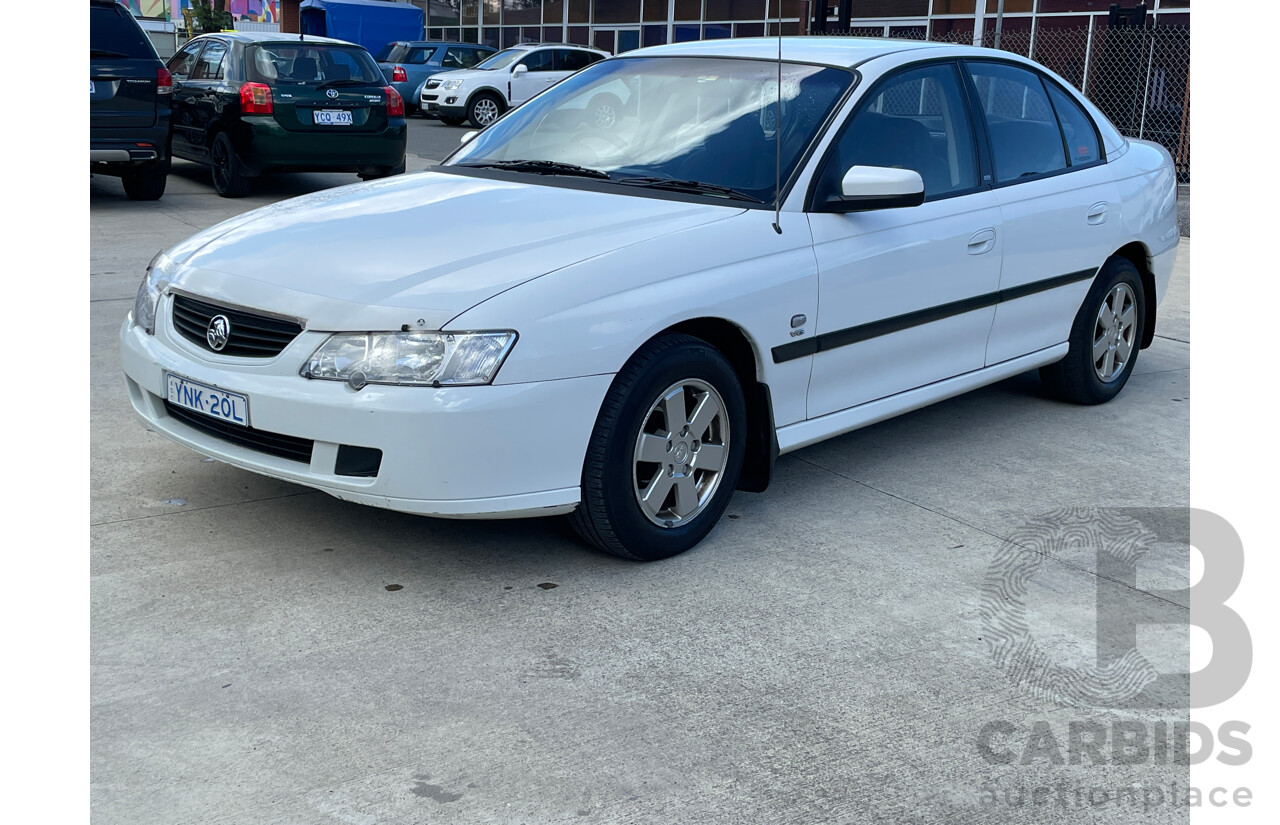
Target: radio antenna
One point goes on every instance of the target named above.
(777, 135)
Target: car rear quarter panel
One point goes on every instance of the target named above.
(1148, 191)
(589, 318)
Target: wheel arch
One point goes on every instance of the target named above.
(762, 440)
(492, 91)
(1138, 255)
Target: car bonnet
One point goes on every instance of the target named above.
(414, 248)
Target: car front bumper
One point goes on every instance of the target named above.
(498, 451)
(436, 102)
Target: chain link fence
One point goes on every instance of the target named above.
(1139, 77)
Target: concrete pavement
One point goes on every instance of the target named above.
(262, 653)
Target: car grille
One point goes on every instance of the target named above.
(252, 336)
(433, 84)
(283, 446)
(430, 98)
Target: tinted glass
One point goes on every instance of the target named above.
(311, 63)
(1025, 140)
(209, 66)
(503, 59)
(570, 60)
(387, 53)
(915, 120)
(181, 64)
(1077, 128)
(540, 61)
(417, 56)
(113, 34)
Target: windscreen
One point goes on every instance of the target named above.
(710, 120)
(502, 59)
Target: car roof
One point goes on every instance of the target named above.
(844, 52)
(275, 37)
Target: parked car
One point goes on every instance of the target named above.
(506, 79)
(249, 103)
(406, 64)
(627, 323)
(129, 94)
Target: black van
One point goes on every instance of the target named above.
(129, 94)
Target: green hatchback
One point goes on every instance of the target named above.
(248, 103)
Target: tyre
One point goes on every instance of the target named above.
(666, 451)
(484, 109)
(1105, 338)
(228, 175)
(147, 184)
(383, 172)
(604, 110)
(452, 121)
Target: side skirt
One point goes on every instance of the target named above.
(804, 433)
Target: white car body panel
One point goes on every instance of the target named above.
(586, 278)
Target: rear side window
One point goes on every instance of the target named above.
(113, 35)
(571, 60)
(1025, 140)
(209, 66)
(1077, 129)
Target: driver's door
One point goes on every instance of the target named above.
(533, 74)
(906, 295)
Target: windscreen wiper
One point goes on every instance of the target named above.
(695, 187)
(540, 167)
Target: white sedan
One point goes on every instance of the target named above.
(628, 320)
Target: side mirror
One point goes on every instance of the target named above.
(519, 70)
(864, 188)
(467, 136)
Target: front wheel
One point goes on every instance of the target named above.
(1105, 338)
(666, 451)
(483, 110)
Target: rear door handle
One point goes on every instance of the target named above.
(1097, 214)
(982, 241)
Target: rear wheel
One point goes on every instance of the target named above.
(666, 451)
(148, 183)
(484, 109)
(1105, 338)
(228, 175)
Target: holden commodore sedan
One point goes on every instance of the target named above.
(628, 321)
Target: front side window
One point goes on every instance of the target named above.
(685, 119)
(1025, 140)
(181, 64)
(209, 66)
(540, 61)
(914, 120)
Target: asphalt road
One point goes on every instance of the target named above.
(429, 138)
(262, 653)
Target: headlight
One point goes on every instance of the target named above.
(411, 358)
(450, 85)
(153, 283)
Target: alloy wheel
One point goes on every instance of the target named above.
(680, 453)
(1114, 332)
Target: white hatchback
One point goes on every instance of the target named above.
(627, 321)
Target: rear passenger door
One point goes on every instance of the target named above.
(906, 294)
(181, 65)
(1057, 200)
(203, 89)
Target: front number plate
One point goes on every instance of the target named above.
(332, 117)
(227, 406)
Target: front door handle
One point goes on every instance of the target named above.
(982, 241)
(1097, 214)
